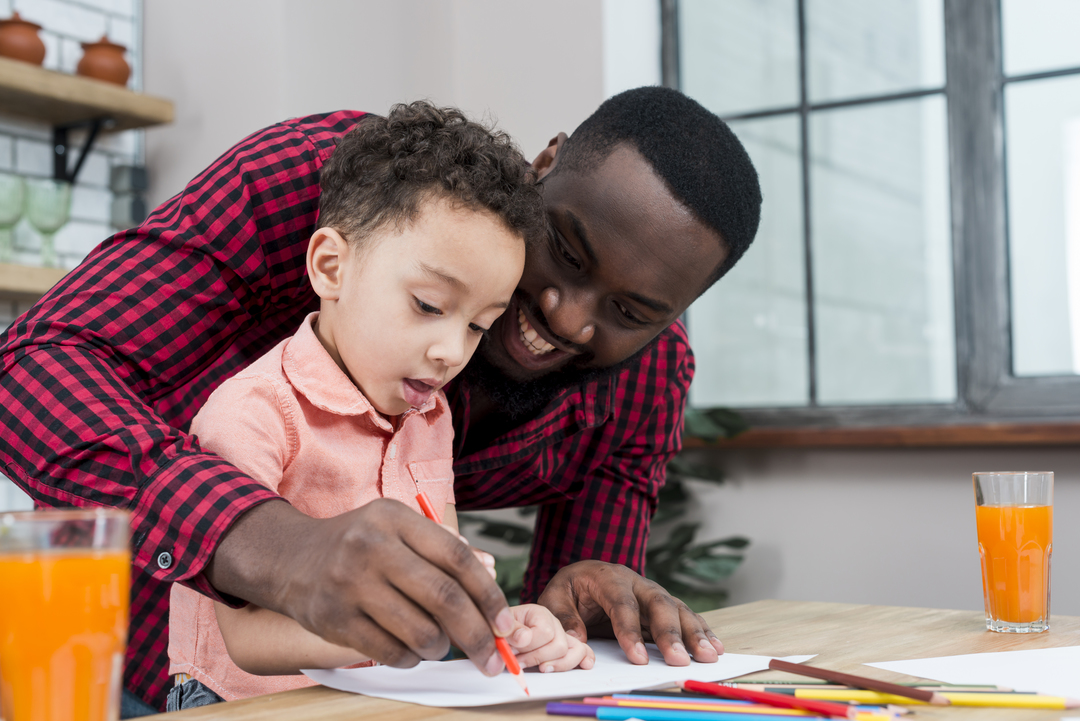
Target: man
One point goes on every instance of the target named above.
(578, 405)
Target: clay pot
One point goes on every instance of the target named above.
(19, 40)
(104, 60)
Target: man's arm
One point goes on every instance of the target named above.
(608, 522)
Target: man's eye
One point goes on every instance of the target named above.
(563, 252)
(425, 308)
(629, 315)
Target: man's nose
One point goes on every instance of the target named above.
(569, 315)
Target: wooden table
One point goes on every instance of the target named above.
(844, 636)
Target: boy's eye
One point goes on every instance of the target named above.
(425, 308)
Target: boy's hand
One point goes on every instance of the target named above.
(541, 641)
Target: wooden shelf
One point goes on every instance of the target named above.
(27, 281)
(56, 98)
(948, 436)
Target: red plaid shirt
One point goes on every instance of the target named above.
(101, 378)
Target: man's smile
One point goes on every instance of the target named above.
(528, 343)
(531, 338)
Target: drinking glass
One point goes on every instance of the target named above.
(1014, 514)
(47, 208)
(12, 204)
(64, 587)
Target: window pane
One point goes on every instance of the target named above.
(1042, 120)
(881, 253)
(749, 330)
(857, 48)
(739, 55)
(1040, 35)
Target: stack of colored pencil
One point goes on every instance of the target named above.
(695, 707)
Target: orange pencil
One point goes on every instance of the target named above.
(500, 643)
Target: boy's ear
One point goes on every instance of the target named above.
(549, 156)
(325, 259)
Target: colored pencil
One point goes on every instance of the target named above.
(707, 701)
(698, 705)
(501, 645)
(930, 697)
(609, 713)
(837, 710)
(956, 698)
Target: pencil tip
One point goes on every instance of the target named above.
(939, 700)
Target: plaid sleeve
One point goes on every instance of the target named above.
(609, 519)
(99, 379)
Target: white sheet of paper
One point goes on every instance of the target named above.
(1051, 671)
(459, 683)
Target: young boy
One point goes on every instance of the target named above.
(424, 218)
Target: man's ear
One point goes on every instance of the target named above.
(549, 156)
(326, 255)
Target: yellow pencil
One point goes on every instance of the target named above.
(992, 700)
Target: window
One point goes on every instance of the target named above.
(919, 254)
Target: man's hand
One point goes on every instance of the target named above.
(605, 599)
(381, 579)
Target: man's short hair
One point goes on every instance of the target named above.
(384, 168)
(700, 160)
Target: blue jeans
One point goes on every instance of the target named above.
(131, 706)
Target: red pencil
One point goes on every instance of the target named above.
(500, 643)
(827, 708)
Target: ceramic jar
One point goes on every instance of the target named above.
(104, 60)
(19, 40)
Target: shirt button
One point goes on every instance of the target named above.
(391, 452)
(164, 560)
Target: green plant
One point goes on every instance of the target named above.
(694, 572)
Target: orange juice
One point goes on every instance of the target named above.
(63, 625)
(1015, 546)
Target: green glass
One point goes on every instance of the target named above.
(12, 205)
(47, 209)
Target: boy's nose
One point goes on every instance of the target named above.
(450, 350)
(569, 315)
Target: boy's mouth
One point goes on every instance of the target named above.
(418, 391)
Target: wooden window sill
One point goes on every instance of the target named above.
(950, 436)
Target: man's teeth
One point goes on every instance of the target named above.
(531, 339)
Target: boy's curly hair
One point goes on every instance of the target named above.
(384, 168)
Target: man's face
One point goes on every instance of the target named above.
(623, 261)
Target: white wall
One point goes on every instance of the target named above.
(892, 527)
(535, 67)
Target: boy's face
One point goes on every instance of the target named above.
(403, 316)
(624, 260)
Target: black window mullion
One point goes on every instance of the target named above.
(804, 141)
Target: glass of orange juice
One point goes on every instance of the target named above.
(1014, 513)
(64, 587)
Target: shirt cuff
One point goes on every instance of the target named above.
(180, 516)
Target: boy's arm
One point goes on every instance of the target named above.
(265, 643)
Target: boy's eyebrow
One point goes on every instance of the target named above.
(439, 274)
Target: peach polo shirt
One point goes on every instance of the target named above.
(294, 421)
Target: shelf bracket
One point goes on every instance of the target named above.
(61, 146)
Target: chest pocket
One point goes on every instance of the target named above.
(436, 479)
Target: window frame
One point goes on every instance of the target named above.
(987, 390)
